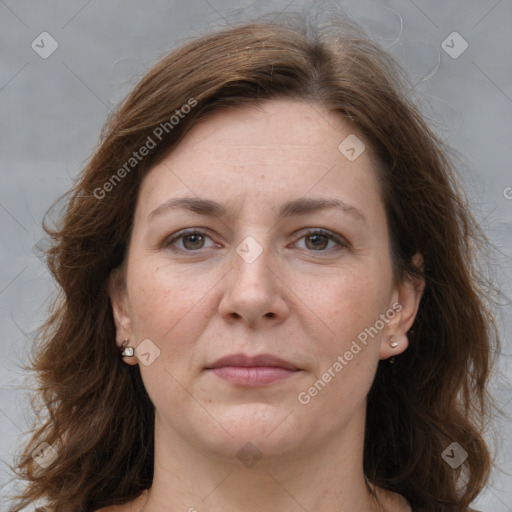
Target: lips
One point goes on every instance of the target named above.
(257, 370)
(241, 360)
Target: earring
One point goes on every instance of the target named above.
(125, 350)
(392, 343)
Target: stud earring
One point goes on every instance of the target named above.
(392, 343)
(125, 350)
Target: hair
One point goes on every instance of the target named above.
(98, 416)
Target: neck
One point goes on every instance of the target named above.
(326, 478)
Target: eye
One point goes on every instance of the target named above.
(320, 240)
(189, 241)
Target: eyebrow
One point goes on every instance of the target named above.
(296, 207)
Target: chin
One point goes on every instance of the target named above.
(269, 429)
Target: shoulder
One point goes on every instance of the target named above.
(134, 505)
(106, 509)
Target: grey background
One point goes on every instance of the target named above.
(52, 111)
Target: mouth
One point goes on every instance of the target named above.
(260, 370)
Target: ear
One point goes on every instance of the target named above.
(405, 303)
(120, 309)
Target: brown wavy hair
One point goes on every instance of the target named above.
(94, 410)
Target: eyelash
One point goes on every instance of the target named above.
(341, 242)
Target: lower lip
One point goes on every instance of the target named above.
(253, 375)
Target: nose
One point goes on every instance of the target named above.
(253, 293)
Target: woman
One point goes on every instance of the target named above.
(269, 295)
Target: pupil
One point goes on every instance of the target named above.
(318, 241)
(195, 241)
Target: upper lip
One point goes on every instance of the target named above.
(248, 361)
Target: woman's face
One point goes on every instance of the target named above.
(259, 236)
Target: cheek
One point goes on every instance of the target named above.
(169, 309)
(349, 306)
(164, 300)
(346, 360)
(354, 299)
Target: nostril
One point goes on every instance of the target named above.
(270, 315)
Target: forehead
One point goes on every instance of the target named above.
(271, 128)
(271, 151)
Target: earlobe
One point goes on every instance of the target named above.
(128, 353)
(408, 295)
(118, 301)
(121, 321)
(120, 312)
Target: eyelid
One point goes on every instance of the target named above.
(168, 241)
(340, 240)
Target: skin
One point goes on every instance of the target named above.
(296, 301)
